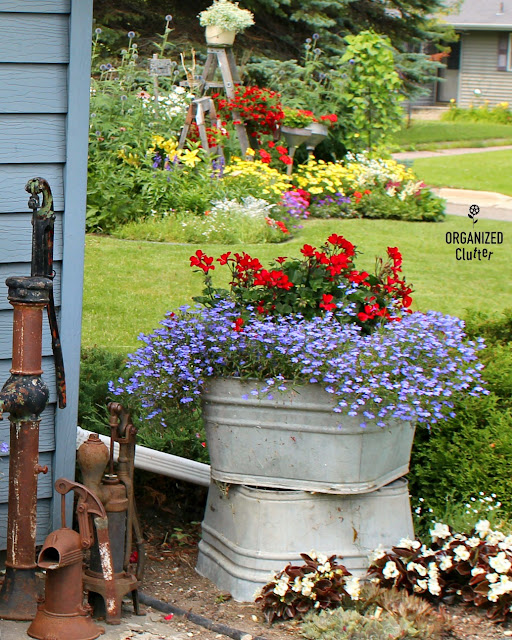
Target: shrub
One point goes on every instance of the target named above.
(472, 452)
(226, 222)
(185, 435)
(499, 113)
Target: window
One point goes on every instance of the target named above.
(504, 57)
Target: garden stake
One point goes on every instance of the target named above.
(62, 614)
(24, 396)
(116, 493)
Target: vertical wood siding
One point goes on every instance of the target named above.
(478, 70)
(44, 75)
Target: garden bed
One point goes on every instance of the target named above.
(171, 578)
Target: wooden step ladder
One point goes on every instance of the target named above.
(223, 58)
(198, 109)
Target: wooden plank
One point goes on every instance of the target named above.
(35, 6)
(44, 482)
(16, 238)
(14, 177)
(6, 334)
(33, 138)
(73, 260)
(33, 37)
(48, 375)
(43, 521)
(33, 88)
(46, 433)
(23, 269)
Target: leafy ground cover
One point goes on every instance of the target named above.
(435, 134)
(130, 285)
(487, 171)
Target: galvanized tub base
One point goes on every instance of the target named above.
(296, 441)
(250, 532)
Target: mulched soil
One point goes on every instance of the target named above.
(171, 577)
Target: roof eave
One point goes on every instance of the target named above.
(481, 27)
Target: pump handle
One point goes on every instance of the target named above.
(88, 505)
(43, 219)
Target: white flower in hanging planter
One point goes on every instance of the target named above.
(226, 15)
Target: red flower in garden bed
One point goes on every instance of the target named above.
(258, 107)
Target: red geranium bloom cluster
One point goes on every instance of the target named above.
(330, 117)
(256, 106)
(276, 152)
(321, 280)
(214, 135)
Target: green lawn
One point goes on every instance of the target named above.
(130, 285)
(489, 171)
(432, 134)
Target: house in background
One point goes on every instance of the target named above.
(480, 60)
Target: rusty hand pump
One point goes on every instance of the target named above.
(62, 613)
(115, 490)
(24, 396)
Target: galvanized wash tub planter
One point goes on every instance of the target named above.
(297, 441)
(250, 532)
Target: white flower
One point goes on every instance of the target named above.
(434, 587)
(297, 585)
(476, 571)
(324, 568)
(390, 570)
(376, 554)
(421, 585)
(483, 527)
(407, 543)
(473, 542)
(352, 587)
(495, 537)
(499, 588)
(461, 553)
(506, 543)
(499, 563)
(426, 552)
(282, 585)
(433, 570)
(446, 563)
(419, 568)
(440, 531)
(492, 577)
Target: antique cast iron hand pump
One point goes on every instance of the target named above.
(24, 396)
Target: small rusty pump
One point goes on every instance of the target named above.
(24, 396)
(115, 490)
(62, 614)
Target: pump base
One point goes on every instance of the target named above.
(19, 594)
(48, 625)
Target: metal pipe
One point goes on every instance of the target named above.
(24, 396)
(165, 464)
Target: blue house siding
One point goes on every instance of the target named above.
(44, 80)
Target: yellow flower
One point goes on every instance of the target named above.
(250, 152)
(129, 158)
